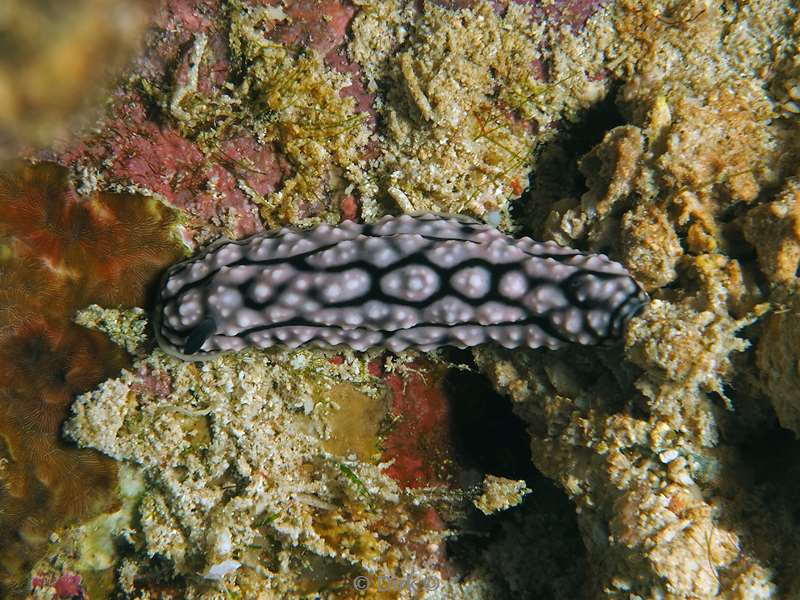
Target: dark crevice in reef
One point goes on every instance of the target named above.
(760, 490)
(488, 437)
(530, 551)
(533, 550)
(556, 175)
(593, 125)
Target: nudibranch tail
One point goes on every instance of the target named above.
(409, 281)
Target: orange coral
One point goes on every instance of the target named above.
(58, 253)
(106, 247)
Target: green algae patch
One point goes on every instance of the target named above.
(287, 98)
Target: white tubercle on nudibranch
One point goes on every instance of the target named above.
(402, 282)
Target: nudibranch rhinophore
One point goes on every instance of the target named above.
(402, 282)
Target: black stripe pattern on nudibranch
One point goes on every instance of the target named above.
(409, 281)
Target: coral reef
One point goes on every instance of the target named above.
(267, 147)
(240, 476)
(274, 118)
(60, 252)
(289, 100)
(463, 107)
(634, 437)
(662, 133)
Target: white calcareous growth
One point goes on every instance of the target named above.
(403, 282)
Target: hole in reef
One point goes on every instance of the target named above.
(533, 550)
(593, 124)
(556, 174)
(760, 452)
(763, 500)
(487, 436)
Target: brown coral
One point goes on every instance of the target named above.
(60, 252)
(105, 247)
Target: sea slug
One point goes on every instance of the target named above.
(410, 281)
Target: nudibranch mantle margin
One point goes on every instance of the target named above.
(421, 282)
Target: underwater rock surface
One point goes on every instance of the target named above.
(664, 134)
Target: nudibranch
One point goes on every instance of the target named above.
(402, 282)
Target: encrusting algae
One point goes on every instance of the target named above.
(238, 476)
(663, 133)
(288, 98)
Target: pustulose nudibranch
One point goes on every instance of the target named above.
(402, 282)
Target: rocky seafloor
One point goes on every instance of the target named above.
(664, 134)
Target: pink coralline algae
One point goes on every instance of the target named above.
(419, 443)
(67, 586)
(157, 158)
(320, 24)
(574, 13)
